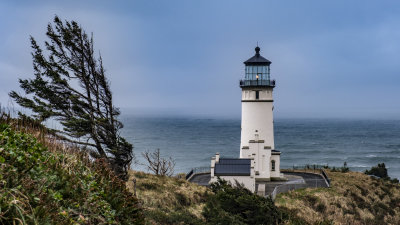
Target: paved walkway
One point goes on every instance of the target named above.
(201, 179)
(306, 179)
(311, 179)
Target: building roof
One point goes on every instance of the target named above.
(257, 59)
(233, 167)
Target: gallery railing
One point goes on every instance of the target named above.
(254, 83)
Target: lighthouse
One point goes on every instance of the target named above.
(259, 161)
(257, 125)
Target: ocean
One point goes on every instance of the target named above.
(191, 142)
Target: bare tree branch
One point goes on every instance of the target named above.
(157, 164)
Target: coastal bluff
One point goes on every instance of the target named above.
(353, 198)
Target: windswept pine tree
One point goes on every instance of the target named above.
(70, 86)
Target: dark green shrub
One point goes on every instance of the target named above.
(395, 181)
(344, 169)
(379, 171)
(38, 186)
(237, 205)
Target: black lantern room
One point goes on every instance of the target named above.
(257, 71)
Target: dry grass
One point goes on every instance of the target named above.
(163, 196)
(354, 198)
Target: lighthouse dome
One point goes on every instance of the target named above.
(257, 59)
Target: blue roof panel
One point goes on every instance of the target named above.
(234, 161)
(231, 167)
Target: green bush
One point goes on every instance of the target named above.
(38, 186)
(395, 181)
(237, 205)
(343, 169)
(379, 171)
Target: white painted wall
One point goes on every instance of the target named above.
(257, 130)
(277, 171)
(261, 157)
(258, 116)
(250, 94)
(247, 181)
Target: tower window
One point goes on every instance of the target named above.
(273, 165)
(257, 94)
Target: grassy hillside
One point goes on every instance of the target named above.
(169, 200)
(43, 181)
(354, 198)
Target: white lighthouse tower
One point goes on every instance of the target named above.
(259, 162)
(257, 133)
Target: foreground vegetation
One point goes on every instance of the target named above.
(172, 200)
(168, 200)
(46, 182)
(238, 205)
(354, 198)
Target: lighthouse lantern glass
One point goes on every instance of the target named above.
(257, 72)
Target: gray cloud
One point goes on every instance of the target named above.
(335, 59)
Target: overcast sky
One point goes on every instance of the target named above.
(329, 59)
